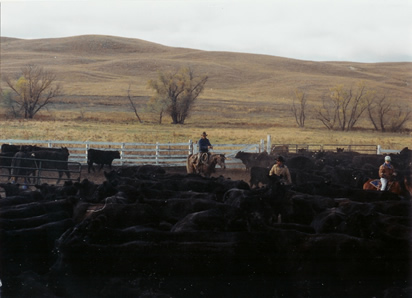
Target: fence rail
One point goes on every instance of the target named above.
(32, 171)
(175, 154)
(296, 148)
(164, 154)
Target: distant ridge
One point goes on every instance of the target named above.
(104, 65)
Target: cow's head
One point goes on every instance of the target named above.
(65, 150)
(239, 154)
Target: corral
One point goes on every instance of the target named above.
(148, 230)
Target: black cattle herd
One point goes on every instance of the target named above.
(150, 232)
(24, 161)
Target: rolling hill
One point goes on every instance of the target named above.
(92, 65)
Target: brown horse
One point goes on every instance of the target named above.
(205, 168)
(375, 184)
(408, 185)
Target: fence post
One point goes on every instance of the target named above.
(262, 146)
(157, 153)
(269, 144)
(190, 147)
(39, 167)
(121, 153)
(194, 147)
(378, 150)
(87, 151)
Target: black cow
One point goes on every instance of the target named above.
(262, 159)
(247, 158)
(53, 159)
(22, 165)
(16, 148)
(25, 148)
(5, 161)
(301, 162)
(101, 157)
(259, 175)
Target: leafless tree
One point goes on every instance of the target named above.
(158, 105)
(33, 90)
(132, 104)
(343, 108)
(387, 116)
(6, 99)
(176, 92)
(299, 109)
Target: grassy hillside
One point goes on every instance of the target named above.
(246, 95)
(86, 63)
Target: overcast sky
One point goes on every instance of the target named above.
(319, 30)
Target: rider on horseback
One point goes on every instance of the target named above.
(386, 171)
(204, 146)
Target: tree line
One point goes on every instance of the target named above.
(35, 88)
(341, 108)
(174, 95)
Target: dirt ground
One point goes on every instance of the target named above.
(98, 177)
(234, 174)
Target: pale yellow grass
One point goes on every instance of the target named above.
(131, 131)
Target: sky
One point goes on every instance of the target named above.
(317, 30)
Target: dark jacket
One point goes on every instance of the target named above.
(204, 145)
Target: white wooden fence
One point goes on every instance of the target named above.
(379, 150)
(175, 154)
(164, 154)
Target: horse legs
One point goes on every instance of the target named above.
(190, 167)
(197, 163)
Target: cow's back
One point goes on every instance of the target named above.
(102, 156)
(259, 175)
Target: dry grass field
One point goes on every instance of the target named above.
(246, 97)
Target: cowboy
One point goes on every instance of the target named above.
(204, 146)
(280, 169)
(386, 171)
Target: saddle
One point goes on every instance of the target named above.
(377, 184)
(204, 158)
(201, 158)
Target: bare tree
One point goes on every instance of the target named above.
(175, 93)
(327, 114)
(158, 105)
(33, 90)
(299, 109)
(7, 102)
(132, 104)
(385, 115)
(344, 107)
